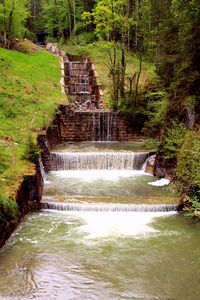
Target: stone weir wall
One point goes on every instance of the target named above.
(77, 126)
(28, 198)
(81, 83)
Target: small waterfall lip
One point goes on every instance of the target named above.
(98, 160)
(110, 207)
(122, 152)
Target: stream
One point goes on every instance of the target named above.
(103, 253)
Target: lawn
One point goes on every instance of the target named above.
(29, 94)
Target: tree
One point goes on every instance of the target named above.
(61, 17)
(112, 20)
(179, 56)
(13, 15)
(35, 20)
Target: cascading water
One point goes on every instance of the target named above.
(41, 168)
(97, 161)
(103, 128)
(80, 84)
(103, 175)
(111, 207)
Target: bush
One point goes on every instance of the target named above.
(188, 162)
(157, 103)
(193, 210)
(82, 39)
(32, 152)
(8, 208)
(173, 140)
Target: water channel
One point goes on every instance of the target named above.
(103, 253)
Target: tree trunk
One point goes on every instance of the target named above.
(123, 73)
(137, 80)
(4, 39)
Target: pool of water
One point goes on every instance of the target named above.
(88, 255)
(99, 254)
(123, 186)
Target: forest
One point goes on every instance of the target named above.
(162, 32)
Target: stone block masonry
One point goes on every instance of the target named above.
(78, 126)
(94, 126)
(85, 118)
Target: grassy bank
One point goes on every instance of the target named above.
(29, 94)
(99, 53)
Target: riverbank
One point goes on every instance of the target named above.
(29, 95)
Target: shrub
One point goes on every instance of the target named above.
(32, 151)
(8, 208)
(193, 210)
(188, 162)
(173, 140)
(157, 103)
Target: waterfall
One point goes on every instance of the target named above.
(109, 126)
(93, 126)
(98, 160)
(110, 207)
(79, 78)
(102, 126)
(82, 87)
(41, 168)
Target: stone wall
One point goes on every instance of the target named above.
(92, 126)
(77, 126)
(28, 198)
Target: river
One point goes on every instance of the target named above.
(102, 254)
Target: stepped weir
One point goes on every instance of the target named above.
(88, 172)
(81, 83)
(110, 207)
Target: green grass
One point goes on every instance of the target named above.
(29, 94)
(99, 53)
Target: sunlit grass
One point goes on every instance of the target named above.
(29, 94)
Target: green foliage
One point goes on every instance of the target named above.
(8, 208)
(188, 161)
(57, 17)
(61, 18)
(82, 39)
(5, 158)
(173, 140)
(178, 58)
(193, 210)
(191, 101)
(32, 152)
(150, 143)
(108, 19)
(13, 15)
(157, 104)
(112, 19)
(28, 99)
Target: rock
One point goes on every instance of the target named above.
(150, 164)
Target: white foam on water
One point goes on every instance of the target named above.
(47, 181)
(91, 175)
(109, 224)
(160, 182)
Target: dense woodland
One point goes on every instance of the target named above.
(165, 32)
